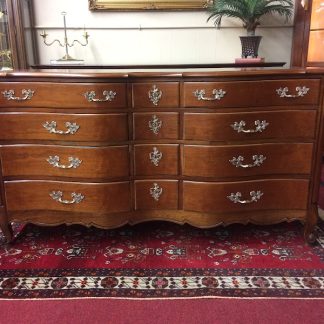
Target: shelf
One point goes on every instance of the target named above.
(160, 66)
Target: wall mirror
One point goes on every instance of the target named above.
(146, 4)
(5, 49)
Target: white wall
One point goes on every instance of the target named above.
(152, 37)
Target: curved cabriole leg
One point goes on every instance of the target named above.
(309, 230)
(5, 226)
(7, 231)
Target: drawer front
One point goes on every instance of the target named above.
(63, 95)
(68, 196)
(156, 194)
(65, 161)
(155, 95)
(156, 125)
(247, 160)
(160, 159)
(251, 93)
(258, 125)
(63, 127)
(276, 195)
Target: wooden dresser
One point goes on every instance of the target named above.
(204, 148)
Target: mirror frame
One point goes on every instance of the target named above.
(126, 5)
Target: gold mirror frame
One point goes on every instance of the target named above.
(147, 4)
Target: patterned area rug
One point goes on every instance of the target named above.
(162, 260)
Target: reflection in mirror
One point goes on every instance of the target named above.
(5, 52)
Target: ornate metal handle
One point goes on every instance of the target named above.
(58, 196)
(108, 96)
(55, 162)
(155, 94)
(155, 124)
(283, 92)
(258, 160)
(155, 156)
(236, 197)
(260, 126)
(156, 191)
(218, 94)
(51, 127)
(26, 95)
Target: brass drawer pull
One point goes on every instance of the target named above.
(26, 95)
(156, 191)
(155, 95)
(257, 161)
(218, 94)
(155, 124)
(58, 196)
(108, 96)
(236, 197)
(51, 127)
(260, 126)
(283, 92)
(55, 162)
(155, 156)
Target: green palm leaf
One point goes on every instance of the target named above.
(248, 11)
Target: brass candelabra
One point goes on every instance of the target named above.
(67, 57)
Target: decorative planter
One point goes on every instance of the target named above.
(250, 45)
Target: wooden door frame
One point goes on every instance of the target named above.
(301, 35)
(16, 31)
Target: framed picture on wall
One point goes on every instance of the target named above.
(147, 4)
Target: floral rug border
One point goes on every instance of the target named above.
(163, 283)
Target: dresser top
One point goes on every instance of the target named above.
(151, 73)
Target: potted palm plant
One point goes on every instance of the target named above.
(249, 12)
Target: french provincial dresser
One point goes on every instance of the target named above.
(105, 148)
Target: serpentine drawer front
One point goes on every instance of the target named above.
(157, 94)
(156, 125)
(68, 196)
(65, 161)
(156, 194)
(251, 93)
(204, 148)
(156, 159)
(245, 195)
(247, 160)
(63, 95)
(250, 125)
(64, 127)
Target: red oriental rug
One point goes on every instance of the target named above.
(162, 260)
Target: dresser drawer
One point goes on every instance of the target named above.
(156, 194)
(275, 195)
(155, 95)
(159, 159)
(251, 93)
(63, 127)
(65, 161)
(250, 125)
(99, 198)
(163, 125)
(63, 95)
(247, 160)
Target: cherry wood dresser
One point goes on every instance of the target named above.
(206, 148)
